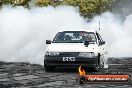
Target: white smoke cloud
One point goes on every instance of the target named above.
(116, 33)
(23, 32)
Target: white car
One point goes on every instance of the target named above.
(75, 48)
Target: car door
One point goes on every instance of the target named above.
(102, 50)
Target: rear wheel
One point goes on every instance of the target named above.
(97, 68)
(101, 65)
(102, 61)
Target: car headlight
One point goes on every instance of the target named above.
(51, 53)
(87, 54)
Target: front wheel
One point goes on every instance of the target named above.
(49, 69)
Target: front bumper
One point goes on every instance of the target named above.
(57, 61)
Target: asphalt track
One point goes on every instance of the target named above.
(26, 75)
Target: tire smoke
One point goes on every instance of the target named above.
(23, 31)
(116, 33)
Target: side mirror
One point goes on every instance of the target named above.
(86, 43)
(101, 43)
(48, 41)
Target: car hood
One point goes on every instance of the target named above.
(72, 47)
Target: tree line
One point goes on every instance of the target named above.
(87, 8)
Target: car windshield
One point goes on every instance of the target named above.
(75, 37)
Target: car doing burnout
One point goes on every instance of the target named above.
(75, 48)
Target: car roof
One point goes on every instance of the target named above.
(79, 30)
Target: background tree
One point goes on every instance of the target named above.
(43, 2)
(87, 8)
(16, 2)
(122, 7)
